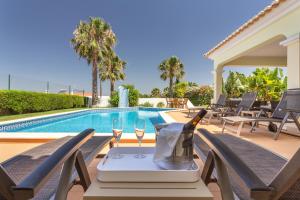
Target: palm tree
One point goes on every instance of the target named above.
(101, 79)
(112, 69)
(90, 40)
(171, 68)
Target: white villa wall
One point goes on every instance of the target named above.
(104, 102)
(153, 101)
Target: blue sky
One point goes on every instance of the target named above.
(35, 35)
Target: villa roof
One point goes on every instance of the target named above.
(267, 10)
(86, 94)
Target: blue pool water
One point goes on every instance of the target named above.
(100, 121)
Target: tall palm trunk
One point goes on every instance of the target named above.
(171, 87)
(94, 83)
(100, 89)
(112, 87)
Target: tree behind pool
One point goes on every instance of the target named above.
(90, 41)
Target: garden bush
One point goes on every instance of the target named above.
(160, 105)
(146, 104)
(268, 83)
(199, 95)
(133, 97)
(114, 99)
(180, 89)
(17, 102)
(206, 94)
(235, 85)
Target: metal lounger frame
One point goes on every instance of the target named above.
(68, 155)
(221, 158)
(285, 112)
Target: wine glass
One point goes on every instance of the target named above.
(117, 129)
(139, 129)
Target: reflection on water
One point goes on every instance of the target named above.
(101, 122)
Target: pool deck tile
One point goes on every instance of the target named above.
(285, 146)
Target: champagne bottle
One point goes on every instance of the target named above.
(183, 152)
(182, 155)
(191, 125)
(188, 130)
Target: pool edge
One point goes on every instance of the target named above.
(47, 136)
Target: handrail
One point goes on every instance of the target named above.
(251, 182)
(34, 181)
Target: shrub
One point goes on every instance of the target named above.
(235, 85)
(114, 99)
(180, 89)
(146, 104)
(160, 105)
(133, 96)
(199, 95)
(193, 95)
(87, 101)
(269, 84)
(206, 94)
(16, 102)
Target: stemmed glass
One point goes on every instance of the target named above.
(117, 129)
(139, 129)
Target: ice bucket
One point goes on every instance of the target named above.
(182, 155)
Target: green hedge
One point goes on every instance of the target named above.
(17, 102)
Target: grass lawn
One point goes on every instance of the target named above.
(20, 116)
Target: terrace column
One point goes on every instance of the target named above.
(293, 60)
(218, 75)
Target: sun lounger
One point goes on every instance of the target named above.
(285, 112)
(221, 102)
(246, 171)
(248, 100)
(36, 173)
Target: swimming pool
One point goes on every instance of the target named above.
(99, 119)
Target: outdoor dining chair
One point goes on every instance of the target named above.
(182, 102)
(170, 102)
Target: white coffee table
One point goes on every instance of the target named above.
(147, 190)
